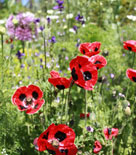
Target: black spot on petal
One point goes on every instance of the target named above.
(64, 151)
(46, 136)
(134, 79)
(97, 62)
(129, 48)
(79, 66)
(22, 97)
(109, 131)
(35, 94)
(60, 87)
(87, 75)
(51, 152)
(96, 49)
(35, 106)
(83, 51)
(74, 75)
(22, 107)
(60, 136)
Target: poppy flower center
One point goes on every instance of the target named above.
(29, 101)
(60, 136)
(129, 48)
(134, 79)
(60, 87)
(97, 62)
(64, 151)
(109, 131)
(74, 75)
(55, 143)
(51, 152)
(87, 75)
(96, 49)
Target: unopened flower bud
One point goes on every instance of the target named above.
(128, 111)
(2, 30)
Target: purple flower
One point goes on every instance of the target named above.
(48, 21)
(41, 60)
(80, 19)
(22, 26)
(42, 28)
(89, 128)
(22, 65)
(19, 55)
(37, 54)
(52, 40)
(37, 20)
(75, 28)
(112, 75)
(41, 66)
(78, 43)
(59, 6)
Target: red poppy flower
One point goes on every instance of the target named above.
(97, 147)
(99, 61)
(59, 82)
(82, 115)
(58, 140)
(131, 74)
(110, 132)
(130, 45)
(28, 99)
(84, 73)
(9, 41)
(90, 49)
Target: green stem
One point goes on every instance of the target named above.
(85, 108)
(132, 65)
(44, 50)
(2, 50)
(23, 46)
(68, 98)
(62, 105)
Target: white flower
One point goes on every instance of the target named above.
(131, 17)
(28, 14)
(53, 17)
(72, 30)
(69, 16)
(3, 21)
(50, 11)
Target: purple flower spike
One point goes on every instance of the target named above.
(75, 28)
(41, 28)
(37, 20)
(48, 21)
(80, 19)
(19, 55)
(52, 40)
(59, 6)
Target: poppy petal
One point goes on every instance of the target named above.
(130, 45)
(97, 147)
(90, 49)
(54, 74)
(64, 134)
(131, 74)
(37, 105)
(35, 92)
(98, 60)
